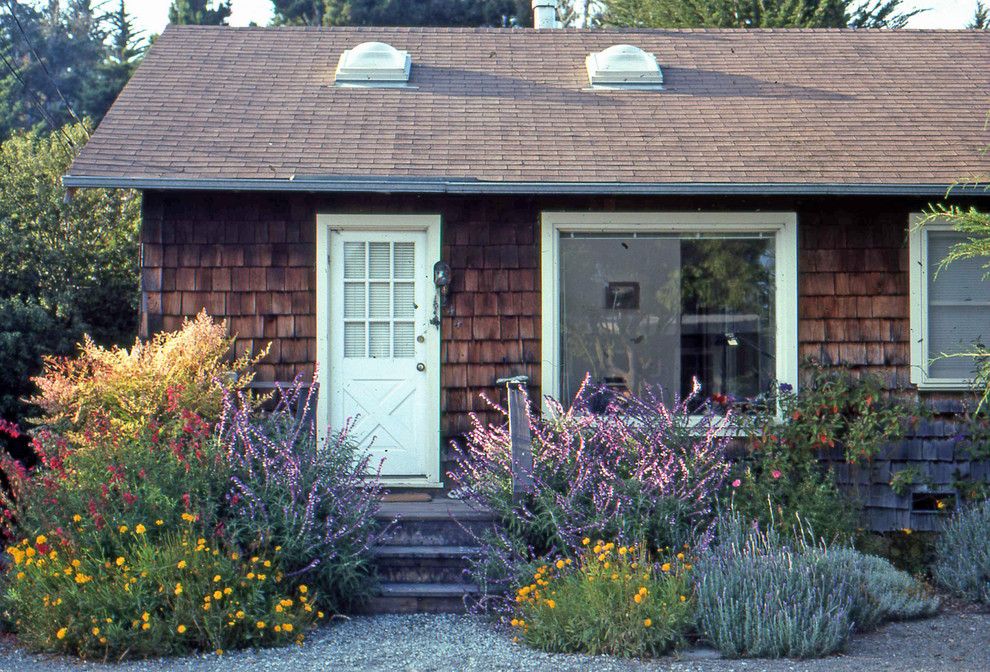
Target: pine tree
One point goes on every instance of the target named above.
(199, 12)
(981, 17)
(402, 12)
(755, 13)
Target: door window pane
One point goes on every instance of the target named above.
(658, 310)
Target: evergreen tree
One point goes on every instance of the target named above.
(402, 12)
(199, 12)
(59, 64)
(755, 13)
(981, 17)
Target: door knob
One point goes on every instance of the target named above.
(421, 367)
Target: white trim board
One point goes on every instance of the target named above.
(782, 224)
(918, 275)
(325, 223)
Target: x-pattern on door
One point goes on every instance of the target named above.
(383, 353)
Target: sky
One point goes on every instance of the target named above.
(152, 15)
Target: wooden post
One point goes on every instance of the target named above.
(522, 442)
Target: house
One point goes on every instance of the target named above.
(420, 211)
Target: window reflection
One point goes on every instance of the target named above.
(657, 310)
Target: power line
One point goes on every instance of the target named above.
(66, 141)
(12, 4)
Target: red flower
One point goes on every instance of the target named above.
(775, 473)
(736, 483)
(186, 501)
(129, 498)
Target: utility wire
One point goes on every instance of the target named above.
(66, 141)
(12, 4)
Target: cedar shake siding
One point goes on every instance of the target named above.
(250, 258)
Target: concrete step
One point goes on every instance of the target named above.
(408, 598)
(423, 564)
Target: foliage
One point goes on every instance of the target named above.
(137, 472)
(149, 591)
(761, 14)
(909, 551)
(314, 499)
(763, 597)
(65, 267)
(963, 554)
(881, 592)
(981, 17)
(62, 62)
(186, 369)
(623, 468)
(607, 600)
(198, 12)
(788, 433)
(399, 13)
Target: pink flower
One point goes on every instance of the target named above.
(775, 473)
(736, 483)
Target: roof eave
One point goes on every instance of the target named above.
(470, 186)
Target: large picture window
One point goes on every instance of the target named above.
(657, 300)
(950, 308)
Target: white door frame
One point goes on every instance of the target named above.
(325, 222)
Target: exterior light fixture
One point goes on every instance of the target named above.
(441, 278)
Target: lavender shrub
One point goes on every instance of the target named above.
(314, 503)
(628, 469)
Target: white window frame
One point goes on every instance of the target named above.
(782, 224)
(918, 244)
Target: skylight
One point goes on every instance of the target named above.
(373, 64)
(624, 66)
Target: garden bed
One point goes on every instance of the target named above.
(954, 641)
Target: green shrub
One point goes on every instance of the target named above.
(608, 601)
(881, 592)
(761, 596)
(962, 565)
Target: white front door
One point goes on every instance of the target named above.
(383, 349)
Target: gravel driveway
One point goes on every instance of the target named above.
(955, 642)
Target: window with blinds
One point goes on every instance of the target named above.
(379, 300)
(957, 305)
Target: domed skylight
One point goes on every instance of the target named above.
(373, 63)
(624, 66)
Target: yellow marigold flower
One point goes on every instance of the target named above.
(278, 628)
(159, 522)
(181, 629)
(261, 625)
(95, 631)
(647, 622)
(597, 549)
(303, 589)
(278, 548)
(278, 608)
(103, 640)
(62, 632)
(585, 541)
(319, 614)
(254, 559)
(665, 567)
(268, 563)
(76, 563)
(76, 518)
(680, 556)
(688, 565)
(120, 561)
(287, 627)
(20, 576)
(637, 598)
(217, 595)
(219, 652)
(188, 517)
(145, 616)
(140, 529)
(182, 564)
(514, 622)
(235, 556)
(607, 565)
(216, 578)
(906, 530)
(145, 626)
(250, 575)
(29, 552)
(122, 529)
(239, 614)
(683, 598)
(178, 589)
(559, 564)
(623, 550)
(228, 591)
(551, 604)
(41, 539)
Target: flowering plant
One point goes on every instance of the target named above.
(607, 600)
(608, 466)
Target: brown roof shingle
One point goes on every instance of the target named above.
(756, 107)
